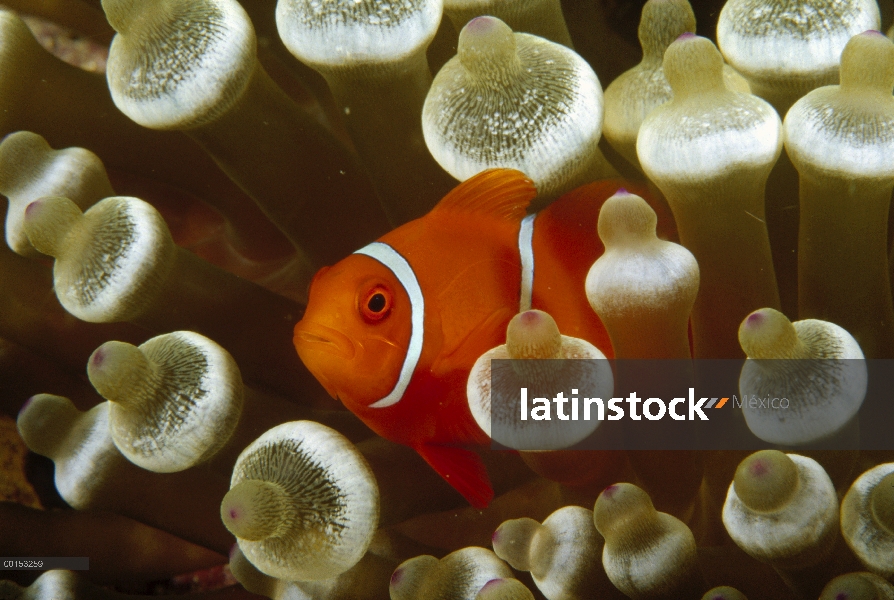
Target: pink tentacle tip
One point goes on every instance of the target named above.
(686, 36)
(99, 356)
(530, 317)
(759, 468)
(621, 191)
(755, 319)
(491, 584)
(397, 576)
(480, 24)
(495, 536)
(233, 550)
(610, 491)
(27, 404)
(32, 208)
(873, 32)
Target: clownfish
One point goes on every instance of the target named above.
(394, 329)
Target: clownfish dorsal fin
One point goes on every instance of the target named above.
(502, 194)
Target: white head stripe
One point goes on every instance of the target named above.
(526, 252)
(398, 265)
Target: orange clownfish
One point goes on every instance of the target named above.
(394, 329)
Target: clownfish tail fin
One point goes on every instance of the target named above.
(462, 469)
(502, 194)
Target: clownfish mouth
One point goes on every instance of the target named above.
(313, 337)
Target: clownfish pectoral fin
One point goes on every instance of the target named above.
(503, 194)
(462, 469)
(463, 347)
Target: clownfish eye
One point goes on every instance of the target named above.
(376, 305)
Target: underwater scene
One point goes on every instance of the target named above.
(446, 299)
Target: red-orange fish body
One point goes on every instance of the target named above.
(394, 329)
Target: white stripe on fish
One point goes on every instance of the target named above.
(398, 265)
(526, 253)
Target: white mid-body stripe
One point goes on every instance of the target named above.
(398, 265)
(526, 252)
